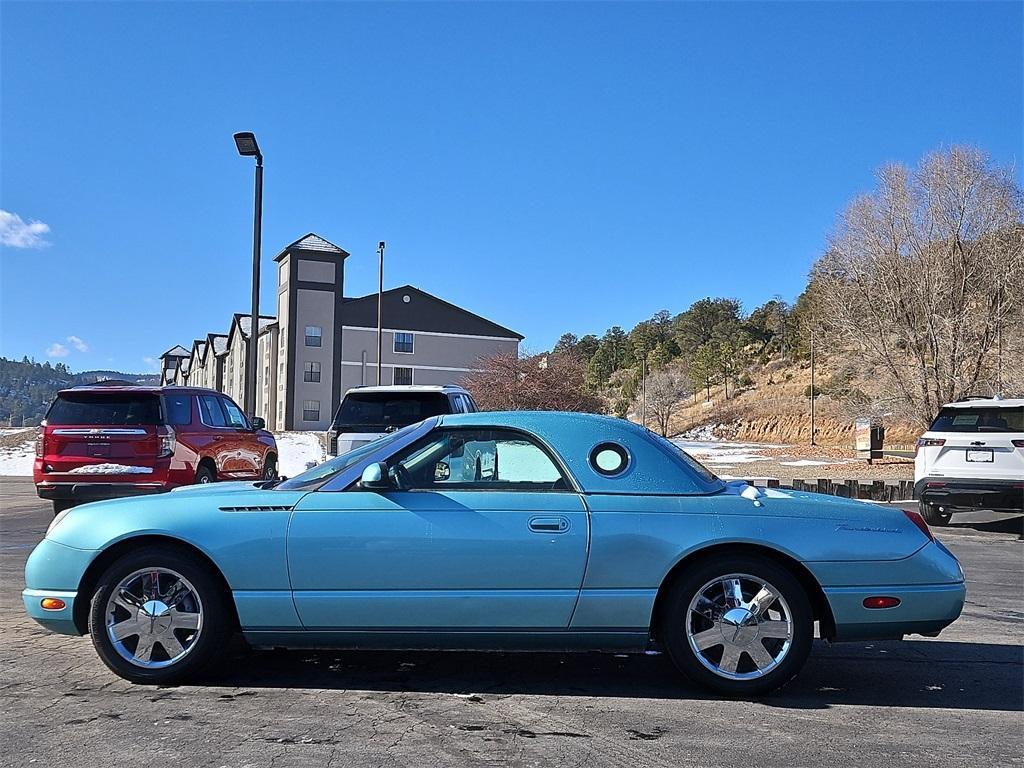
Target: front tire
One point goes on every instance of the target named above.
(740, 625)
(159, 616)
(933, 515)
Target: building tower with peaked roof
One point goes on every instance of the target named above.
(321, 343)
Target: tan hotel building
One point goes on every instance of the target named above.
(322, 343)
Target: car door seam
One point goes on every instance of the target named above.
(586, 560)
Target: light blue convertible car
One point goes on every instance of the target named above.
(505, 531)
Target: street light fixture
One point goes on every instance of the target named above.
(247, 147)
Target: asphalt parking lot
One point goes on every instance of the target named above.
(951, 701)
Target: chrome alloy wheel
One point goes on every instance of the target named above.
(739, 626)
(154, 617)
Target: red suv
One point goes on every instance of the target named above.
(106, 440)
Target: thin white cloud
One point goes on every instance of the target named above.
(18, 233)
(57, 350)
(78, 344)
(152, 363)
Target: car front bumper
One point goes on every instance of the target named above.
(56, 570)
(994, 494)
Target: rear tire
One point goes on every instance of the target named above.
(270, 469)
(61, 505)
(933, 516)
(205, 475)
(187, 597)
(764, 633)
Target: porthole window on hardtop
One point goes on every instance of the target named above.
(609, 459)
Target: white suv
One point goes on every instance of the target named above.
(972, 457)
(366, 413)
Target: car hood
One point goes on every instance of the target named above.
(190, 513)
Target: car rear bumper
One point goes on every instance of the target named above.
(999, 495)
(94, 491)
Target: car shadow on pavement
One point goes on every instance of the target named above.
(930, 674)
(1014, 525)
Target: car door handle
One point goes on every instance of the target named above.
(549, 524)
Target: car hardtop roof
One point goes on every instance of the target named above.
(987, 402)
(407, 388)
(542, 421)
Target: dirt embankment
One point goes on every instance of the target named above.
(775, 408)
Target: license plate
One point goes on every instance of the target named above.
(98, 449)
(979, 455)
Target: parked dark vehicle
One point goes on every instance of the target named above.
(366, 413)
(103, 441)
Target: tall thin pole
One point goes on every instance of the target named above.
(813, 392)
(254, 328)
(380, 309)
(643, 389)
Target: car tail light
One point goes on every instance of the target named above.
(881, 601)
(915, 517)
(41, 442)
(1018, 443)
(166, 437)
(927, 442)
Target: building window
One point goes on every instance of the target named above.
(404, 343)
(312, 372)
(314, 335)
(311, 410)
(402, 375)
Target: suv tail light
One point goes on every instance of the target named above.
(41, 442)
(915, 517)
(167, 439)
(927, 442)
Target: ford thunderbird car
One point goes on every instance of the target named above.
(493, 531)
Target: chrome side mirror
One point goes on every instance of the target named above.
(375, 478)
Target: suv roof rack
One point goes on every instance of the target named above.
(108, 383)
(967, 398)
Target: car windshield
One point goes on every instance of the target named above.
(380, 411)
(714, 482)
(104, 408)
(980, 419)
(320, 474)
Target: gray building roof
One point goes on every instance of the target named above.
(313, 242)
(245, 322)
(421, 312)
(176, 351)
(218, 342)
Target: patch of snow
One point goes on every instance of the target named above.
(812, 462)
(110, 469)
(298, 451)
(17, 461)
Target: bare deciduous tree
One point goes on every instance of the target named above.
(553, 382)
(665, 389)
(923, 275)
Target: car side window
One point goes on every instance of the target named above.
(211, 412)
(456, 401)
(179, 409)
(476, 459)
(467, 404)
(235, 416)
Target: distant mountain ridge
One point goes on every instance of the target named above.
(27, 388)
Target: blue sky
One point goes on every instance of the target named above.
(553, 167)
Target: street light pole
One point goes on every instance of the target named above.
(380, 309)
(247, 147)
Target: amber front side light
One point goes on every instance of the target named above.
(52, 604)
